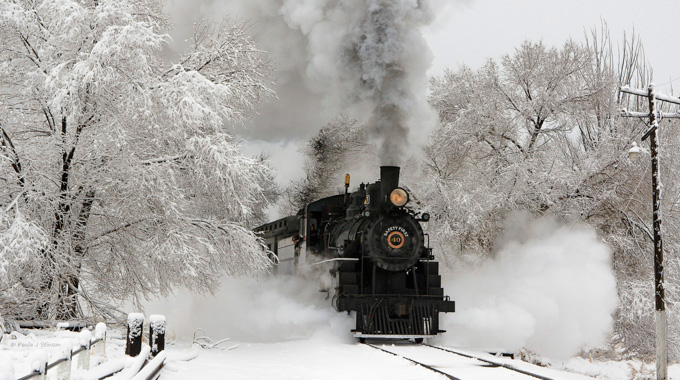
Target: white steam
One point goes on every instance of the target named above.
(388, 58)
(269, 309)
(550, 289)
(364, 58)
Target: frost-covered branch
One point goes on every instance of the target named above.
(176, 157)
(7, 144)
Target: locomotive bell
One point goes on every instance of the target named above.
(356, 201)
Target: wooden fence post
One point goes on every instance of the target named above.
(156, 334)
(134, 334)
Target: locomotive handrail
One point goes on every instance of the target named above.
(330, 260)
(391, 257)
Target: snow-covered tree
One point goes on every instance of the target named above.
(338, 147)
(119, 175)
(506, 141)
(540, 132)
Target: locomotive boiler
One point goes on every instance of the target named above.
(373, 245)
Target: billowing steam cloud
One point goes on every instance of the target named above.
(382, 51)
(550, 289)
(269, 309)
(365, 58)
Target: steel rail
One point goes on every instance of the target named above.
(489, 362)
(415, 362)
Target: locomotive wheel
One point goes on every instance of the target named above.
(362, 340)
(418, 340)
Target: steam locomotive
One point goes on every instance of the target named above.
(374, 248)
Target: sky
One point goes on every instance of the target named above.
(465, 32)
(475, 31)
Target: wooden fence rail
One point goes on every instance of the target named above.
(148, 360)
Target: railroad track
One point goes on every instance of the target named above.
(456, 365)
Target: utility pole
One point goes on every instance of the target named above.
(659, 293)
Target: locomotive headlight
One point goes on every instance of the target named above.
(399, 197)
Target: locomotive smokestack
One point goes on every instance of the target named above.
(389, 180)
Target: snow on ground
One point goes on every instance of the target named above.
(301, 359)
(320, 356)
(615, 370)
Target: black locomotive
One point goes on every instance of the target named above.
(374, 247)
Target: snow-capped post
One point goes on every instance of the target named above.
(100, 334)
(85, 340)
(659, 295)
(156, 334)
(134, 334)
(38, 360)
(64, 369)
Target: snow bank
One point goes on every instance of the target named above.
(550, 288)
(101, 370)
(616, 370)
(6, 369)
(268, 309)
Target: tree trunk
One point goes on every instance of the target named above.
(71, 282)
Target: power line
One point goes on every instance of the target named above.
(670, 81)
